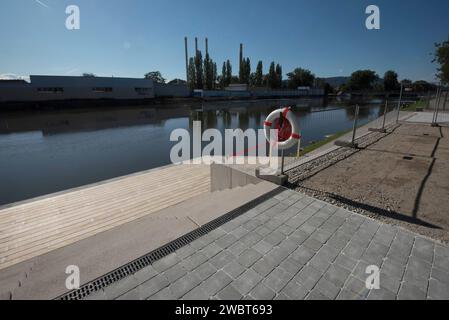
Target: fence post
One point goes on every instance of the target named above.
(437, 106)
(356, 120)
(400, 102)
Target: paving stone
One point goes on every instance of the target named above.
(265, 266)
(393, 269)
(156, 284)
(196, 294)
(290, 265)
(357, 286)
(282, 297)
(381, 294)
(307, 228)
(295, 291)
(185, 252)
(132, 295)
(440, 275)
(278, 254)
(251, 239)
(263, 231)
(327, 288)
(229, 293)
(308, 277)
(438, 290)
(194, 261)
(321, 235)
(222, 259)
(216, 283)
(145, 274)
(360, 270)
(329, 253)
(211, 250)
(262, 292)
(175, 272)
(237, 248)
(313, 244)
(164, 294)
(249, 257)
(166, 262)
(247, 281)
(239, 232)
(204, 271)
(234, 269)
(354, 250)
(198, 244)
(226, 241)
(345, 262)
(339, 240)
(337, 275)
(286, 230)
(288, 245)
(389, 283)
(298, 237)
(120, 287)
(316, 295)
(302, 255)
(183, 285)
(320, 263)
(263, 247)
(274, 238)
(278, 279)
(411, 292)
(346, 294)
(441, 262)
(251, 225)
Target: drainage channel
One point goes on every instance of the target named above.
(150, 258)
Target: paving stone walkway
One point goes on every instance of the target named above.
(294, 247)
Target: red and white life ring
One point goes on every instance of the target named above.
(288, 129)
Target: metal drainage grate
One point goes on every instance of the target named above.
(136, 265)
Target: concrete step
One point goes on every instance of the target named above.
(106, 251)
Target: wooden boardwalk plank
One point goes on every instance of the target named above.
(37, 227)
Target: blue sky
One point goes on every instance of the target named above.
(131, 37)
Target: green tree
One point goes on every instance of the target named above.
(272, 78)
(89, 75)
(442, 58)
(156, 76)
(192, 74)
(391, 82)
(422, 86)
(228, 73)
(199, 83)
(300, 78)
(362, 80)
(258, 77)
(278, 76)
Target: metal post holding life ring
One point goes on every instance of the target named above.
(288, 133)
(288, 129)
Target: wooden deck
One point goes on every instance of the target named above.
(30, 229)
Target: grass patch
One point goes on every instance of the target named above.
(318, 144)
(412, 107)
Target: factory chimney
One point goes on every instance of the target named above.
(187, 59)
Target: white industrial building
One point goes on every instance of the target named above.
(50, 88)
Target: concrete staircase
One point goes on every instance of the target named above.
(43, 277)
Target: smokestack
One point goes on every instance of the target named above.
(187, 59)
(207, 46)
(196, 46)
(241, 55)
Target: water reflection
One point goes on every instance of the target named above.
(45, 152)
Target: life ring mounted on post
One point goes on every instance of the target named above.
(284, 121)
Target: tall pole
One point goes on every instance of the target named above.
(356, 119)
(435, 114)
(400, 102)
(241, 57)
(187, 59)
(207, 46)
(385, 113)
(196, 47)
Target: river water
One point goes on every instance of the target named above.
(42, 152)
